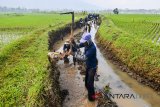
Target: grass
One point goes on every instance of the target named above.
(22, 81)
(142, 26)
(23, 65)
(24, 70)
(31, 20)
(138, 53)
(23, 24)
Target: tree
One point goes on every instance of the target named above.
(116, 11)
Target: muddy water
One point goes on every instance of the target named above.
(71, 80)
(119, 81)
(6, 38)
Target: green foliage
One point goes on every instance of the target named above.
(141, 26)
(31, 20)
(130, 45)
(13, 27)
(23, 62)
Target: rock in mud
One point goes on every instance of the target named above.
(105, 102)
(64, 93)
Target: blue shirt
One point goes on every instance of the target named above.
(90, 53)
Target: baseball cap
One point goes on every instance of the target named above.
(85, 38)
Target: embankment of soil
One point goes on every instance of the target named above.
(56, 35)
(106, 102)
(52, 95)
(110, 53)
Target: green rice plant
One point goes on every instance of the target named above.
(129, 45)
(23, 62)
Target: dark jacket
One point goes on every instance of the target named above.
(66, 47)
(74, 47)
(90, 54)
(69, 46)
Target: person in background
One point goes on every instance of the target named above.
(81, 22)
(87, 30)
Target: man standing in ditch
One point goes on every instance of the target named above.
(91, 64)
(66, 49)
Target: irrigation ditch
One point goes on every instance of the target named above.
(68, 91)
(110, 53)
(53, 96)
(56, 96)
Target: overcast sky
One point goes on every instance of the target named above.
(82, 4)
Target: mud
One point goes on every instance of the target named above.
(53, 96)
(106, 103)
(73, 92)
(71, 80)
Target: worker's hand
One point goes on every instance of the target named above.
(63, 55)
(68, 53)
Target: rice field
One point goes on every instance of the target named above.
(140, 26)
(23, 56)
(14, 26)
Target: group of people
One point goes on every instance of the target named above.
(89, 18)
(90, 58)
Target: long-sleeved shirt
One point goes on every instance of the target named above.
(90, 55)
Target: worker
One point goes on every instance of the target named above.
(73, 49)
(91, 64)
(66, 49)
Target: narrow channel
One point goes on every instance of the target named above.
(120, 83)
